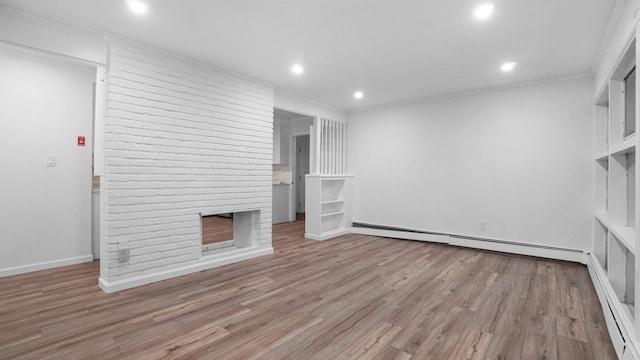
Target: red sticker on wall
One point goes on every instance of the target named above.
(80, 140)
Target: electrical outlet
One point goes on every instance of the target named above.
(123, 255)
(483, 225)
(123, 251)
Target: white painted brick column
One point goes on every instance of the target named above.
(182, 138)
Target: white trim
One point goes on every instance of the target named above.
(100, 121)
(331, 176)
(502, 246)
(45, 265)
(293, 160)
(328, 235)
(205, 263)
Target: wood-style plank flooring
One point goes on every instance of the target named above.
(353, 297)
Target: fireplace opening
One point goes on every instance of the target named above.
(217, 228)
(229, 230)
(217, 231)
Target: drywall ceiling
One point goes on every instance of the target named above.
(391, 50)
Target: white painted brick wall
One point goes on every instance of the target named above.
(183, 138)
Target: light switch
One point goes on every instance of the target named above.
(51, 161)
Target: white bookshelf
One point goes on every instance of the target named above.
(615, 239)
(328, 212)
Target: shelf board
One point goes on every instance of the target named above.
(626, 146)
(333, 213)
(603, 217)
(602, 156)
(330, 177)
(626, 235)
(332, 202)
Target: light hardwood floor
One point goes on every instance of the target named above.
(353, 297)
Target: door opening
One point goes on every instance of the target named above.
(302, 169)
(291, 162)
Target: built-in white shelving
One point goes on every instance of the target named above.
(328, 187)
(615, 184)
(328, 210)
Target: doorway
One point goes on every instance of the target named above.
(301, 169)
(300, 160)
(291, 157)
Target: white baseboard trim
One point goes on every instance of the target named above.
(523, 249)
(45, 265)
(205, 263)
(328, 235)
(443, 239)
(477, 243)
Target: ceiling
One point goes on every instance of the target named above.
(284, 117)
(390, 50)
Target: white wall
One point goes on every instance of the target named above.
(183, 138)
(45, 212)
(519, 159)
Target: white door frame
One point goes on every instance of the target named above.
(292, 160)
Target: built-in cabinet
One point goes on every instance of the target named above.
(328, 206)
(615, 239)
(328, 189)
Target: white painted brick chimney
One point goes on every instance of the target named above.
(182, 138)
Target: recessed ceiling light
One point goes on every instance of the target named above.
(508, 66)
(483, 11)
(297, 69)
(137, 7)
(358, 95)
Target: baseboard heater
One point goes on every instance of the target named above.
(546, 251)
